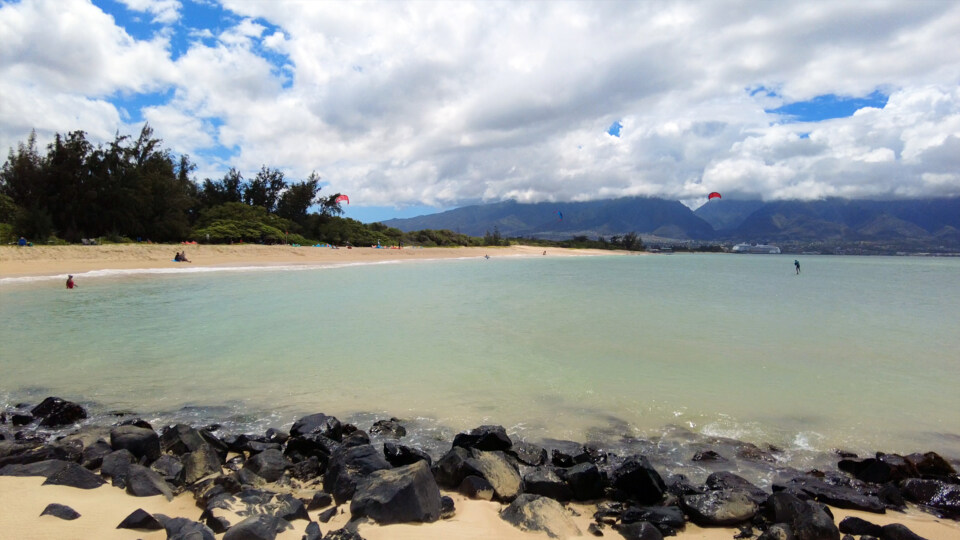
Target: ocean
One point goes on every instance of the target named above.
(855, 353)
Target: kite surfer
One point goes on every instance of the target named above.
(796, 263)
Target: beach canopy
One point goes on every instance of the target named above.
(714, 195)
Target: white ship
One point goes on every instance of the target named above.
(756, 248)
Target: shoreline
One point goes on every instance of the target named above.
(55, 261)
(25, 493)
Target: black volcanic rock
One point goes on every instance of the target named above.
(585, 481)
(399, 455)
(141, 442)
(545, 482)
(55, 412)
(490, 438)
(61, 511)
(935, 494)
(347, 466)
(142, 520)
(639, 480)
(406, 494)
(320, 424)
(144, 482)
(74, 475)
(721, 508)
(388, 428)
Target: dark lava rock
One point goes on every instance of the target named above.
(343, 534)
(57, 412)
(20, 419)
(668, 519)
(728, 480)
(92, 455)
(897, 531)
(38, 468)
(544, 481)
(640, 530)
(141, 442)
(585, 481)
(855, 525)
(447, 507)
(116, 465)
(639, 480)
(311, 445)
(476, 487)
(838, 496)
(74, 475)
(268, 464)
(170, 468)
(185, 529)
(356, 438)
(489, 438)
(530, 512)
(719, 508)
(403, 495)
(320, 499)
(931, 464)
(935, 494)
(814, 523)
(783, 507)
(140, 519)
(290, 508)
(143, 482)
(528, 454)
(461, 462)
(319, 424)
(61, 511)
(306, 470)
(256, 527)
(708, 455)
(777, 531)
(200, 462)
(399, 455)
(180, 439)
(388, 428)
(327, 514)
(347, 466)
(312, 531)
(880, 470)
(23, 452)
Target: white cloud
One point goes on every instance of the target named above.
(163, 11)
(453, 102)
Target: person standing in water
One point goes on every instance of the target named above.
(70, 283)
(796, 263)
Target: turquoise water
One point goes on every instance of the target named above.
(858, 353)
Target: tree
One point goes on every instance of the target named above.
(295, 202)
(264, 190)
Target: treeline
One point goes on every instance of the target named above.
(133, 189)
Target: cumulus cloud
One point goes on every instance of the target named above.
(163, 11)
(458, 102)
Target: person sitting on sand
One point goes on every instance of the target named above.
(177, 257)
(70, 283)
(183, 256)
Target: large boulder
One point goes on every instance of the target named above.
(256, 527)
(312, 445)
(388, 428)
(931, 464)
(56, 412)
(349, 464)
(399, 455)
(144, 482)
(494, 467)
(719, 508)
(268, 464)
(320, 424)
(814, 523)
(639, 480)
(489, 438)
(528, 454)
(667, 519)
(199, 463)
(74, 475)
(839, 496)
(934, 494)
(170, 468)
(141, 442)
(546, 482)
(185, 529)
(880, 470)
(402, 495)
(38, 468)
(585, 481)
(640, 530)
(729, 480)
(180, 439)
(530, 512)
(116, 465)
(140, 519)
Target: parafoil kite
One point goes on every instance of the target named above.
(560, 215)
(714, 195)
(342, 198)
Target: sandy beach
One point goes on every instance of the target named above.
(56, 260)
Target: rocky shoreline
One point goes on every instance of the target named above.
(252, 486)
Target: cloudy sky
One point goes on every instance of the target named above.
(410, 107)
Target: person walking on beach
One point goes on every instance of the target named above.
(797, 264)
(70, 283)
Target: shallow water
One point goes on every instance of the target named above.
(856, 353)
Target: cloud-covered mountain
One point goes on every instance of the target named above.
(564, 220)
(927, 221)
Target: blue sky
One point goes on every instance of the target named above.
(413, 107)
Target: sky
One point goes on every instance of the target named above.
(415, 107)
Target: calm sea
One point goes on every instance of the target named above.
(858, 353)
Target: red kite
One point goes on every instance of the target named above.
(714, 195)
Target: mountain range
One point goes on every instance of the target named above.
(919, 221)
